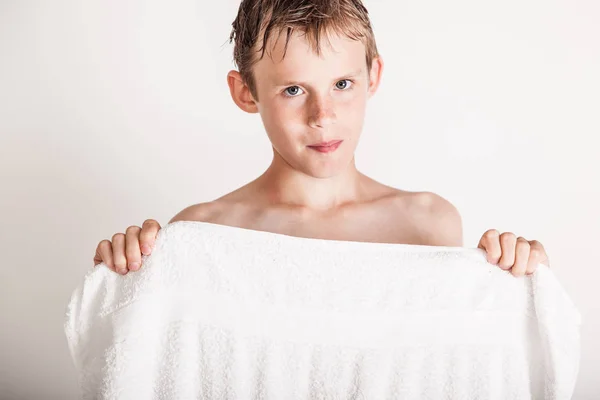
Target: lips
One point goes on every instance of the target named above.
(330, 147)
(325, 144)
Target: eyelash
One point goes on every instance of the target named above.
(343, 90)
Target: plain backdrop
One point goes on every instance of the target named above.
(115, 112)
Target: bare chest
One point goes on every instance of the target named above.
(375, 223)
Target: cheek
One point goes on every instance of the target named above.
(272, 115)
(282, 120)
(352, 111)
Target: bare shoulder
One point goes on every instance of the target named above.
(204, 212)
(436, 220)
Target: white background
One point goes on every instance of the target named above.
(114, 112)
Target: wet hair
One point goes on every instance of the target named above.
(258, 19)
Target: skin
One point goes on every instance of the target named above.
(304, 99)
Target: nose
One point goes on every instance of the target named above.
(321, 112)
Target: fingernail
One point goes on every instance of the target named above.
(145, 249)
(134, 266)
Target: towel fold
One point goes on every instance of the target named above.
(221, 312)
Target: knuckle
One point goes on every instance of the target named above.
(149, 223)
(537, 245)
(118, 236)
(491, 234)
(132, 229)
(507, 237)
(104, 244)
(522, 246)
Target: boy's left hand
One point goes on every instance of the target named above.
(508, 251)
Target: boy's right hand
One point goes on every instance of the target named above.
(125, 252)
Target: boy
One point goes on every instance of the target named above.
(308, 68)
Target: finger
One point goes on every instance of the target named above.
(531, 264)
(540, 252)
(132, 248)
(118, 250)
(521, 257)
(491, 244)
(104, 254)
(508, 242)
(150, 229)
(537, 255)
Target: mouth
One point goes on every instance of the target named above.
(327, 147)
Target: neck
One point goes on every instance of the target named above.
(283, 185)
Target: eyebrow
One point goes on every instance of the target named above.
(291, 82)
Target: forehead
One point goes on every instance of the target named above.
(338, 55)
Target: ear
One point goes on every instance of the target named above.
(240, 93)
(375, 75)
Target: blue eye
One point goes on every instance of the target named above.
(292, 93)
(345, 84)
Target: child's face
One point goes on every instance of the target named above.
(305, 99)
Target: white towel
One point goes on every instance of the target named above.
(221, 312)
